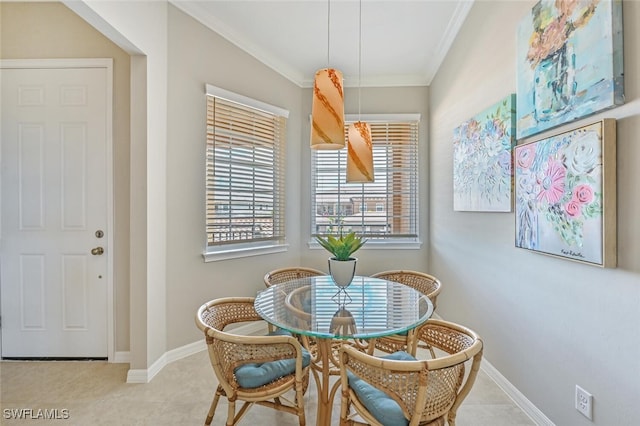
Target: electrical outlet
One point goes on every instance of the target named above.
(584, 402)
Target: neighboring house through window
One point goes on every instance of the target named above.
(383, 211)
(244, 176)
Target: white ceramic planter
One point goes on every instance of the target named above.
(342, 271)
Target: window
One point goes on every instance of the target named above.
(244, 174)
(385, 210)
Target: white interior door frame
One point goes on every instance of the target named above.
(106, 63)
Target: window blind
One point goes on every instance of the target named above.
(384, 209)
(244, 173)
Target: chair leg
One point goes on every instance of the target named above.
(412, 342)
(212, 408)
(344, 408)
(433, 353)
(371, 347)
(231, 413)
(300, 403)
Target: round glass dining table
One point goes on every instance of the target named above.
(316, 307)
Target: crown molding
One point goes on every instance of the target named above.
(202, 14)
(458, 18)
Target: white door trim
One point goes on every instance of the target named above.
(106, 63)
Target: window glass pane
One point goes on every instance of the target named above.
(384, 209)
(244, 182)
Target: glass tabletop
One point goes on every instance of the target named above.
(367, 308)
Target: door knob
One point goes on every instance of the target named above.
(97, 251)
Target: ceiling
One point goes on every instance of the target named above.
(403, 41)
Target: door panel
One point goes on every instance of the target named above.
(54, 199)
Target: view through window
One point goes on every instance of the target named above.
(244, 171)
(383, 210)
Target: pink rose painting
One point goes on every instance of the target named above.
(583, 194)
(559, 198)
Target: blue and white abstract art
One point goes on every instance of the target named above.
(569, 64)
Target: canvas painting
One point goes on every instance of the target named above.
(565, 194)
(482, 172)
(569, 62)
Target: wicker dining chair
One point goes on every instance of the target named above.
(400, 389)
(281, 275)
(288, 274)
(252, 369)
(420, 281)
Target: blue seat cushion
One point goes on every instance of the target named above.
(254, 375)
(377, 402)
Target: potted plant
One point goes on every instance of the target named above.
(342, 266)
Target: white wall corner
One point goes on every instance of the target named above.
(137, 376)
(122, 357)
(145, 375)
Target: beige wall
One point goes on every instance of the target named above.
(198, 56)
(195, 59)
(50, 30)
(548, 324)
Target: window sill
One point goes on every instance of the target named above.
(380, 245)
(215, 256)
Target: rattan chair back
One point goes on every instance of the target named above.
(420, 281)
(423, 282)
(429, 391)
(227, 351)
(288, 274)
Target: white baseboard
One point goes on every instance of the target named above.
(520, 400)
(123, 357)
(512, 392)
(185, 351)
(145, 376)
(137, 376)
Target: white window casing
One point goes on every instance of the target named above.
(245, 159)
(339, 206)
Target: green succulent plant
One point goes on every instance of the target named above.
(343, 246)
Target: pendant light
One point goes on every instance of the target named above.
(327, 109)
(360, 146)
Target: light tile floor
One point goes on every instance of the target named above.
(95, 393)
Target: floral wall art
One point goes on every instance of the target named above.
(482, 172)
(569, 64)
(565, 194)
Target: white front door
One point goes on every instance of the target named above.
(54, 290)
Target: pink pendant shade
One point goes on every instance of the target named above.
(327, 110)
(360, 153)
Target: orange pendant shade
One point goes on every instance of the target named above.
(359, 153)
(327, 110)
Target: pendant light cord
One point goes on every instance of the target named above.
(328, 30)
(359, 56)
